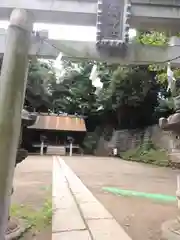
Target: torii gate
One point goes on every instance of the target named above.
(140, 14)
(113, 18)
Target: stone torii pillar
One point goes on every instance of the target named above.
(12, 91)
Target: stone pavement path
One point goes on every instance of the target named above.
(77, 213)
(141, 218)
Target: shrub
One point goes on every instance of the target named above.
(147, 153)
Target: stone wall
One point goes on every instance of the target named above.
(124, 140)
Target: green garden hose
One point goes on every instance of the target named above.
(158, 197)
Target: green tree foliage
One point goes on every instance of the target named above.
(157, 39)
(41, 76)
(131, 96)
(152, 38)
(161, 39)
(75, 94)
(128, 98)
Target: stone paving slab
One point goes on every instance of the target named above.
(72, 235)
(99, 223)
(59, 181)
(94, 210)
(107, 229)
(67, 220)
(66, 215)
(85, 197)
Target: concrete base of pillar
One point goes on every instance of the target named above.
(171, 230)
(15, 229)
(175, 159)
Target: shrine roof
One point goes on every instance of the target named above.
(60, 123)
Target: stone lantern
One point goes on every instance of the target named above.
(171, 228)
(14, 228)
